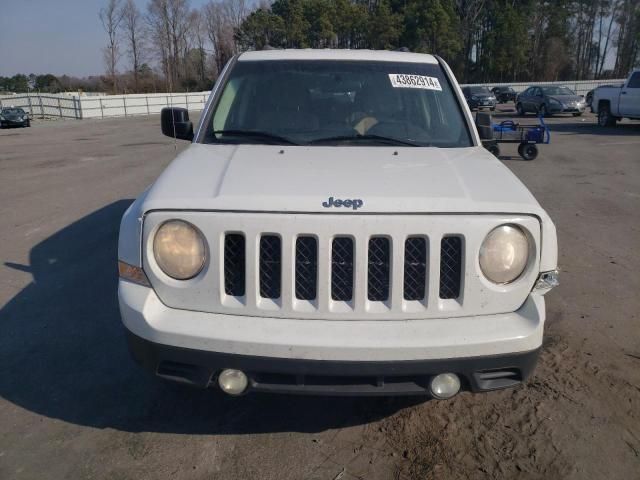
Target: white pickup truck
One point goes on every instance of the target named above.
(614, 103)
(335, 227)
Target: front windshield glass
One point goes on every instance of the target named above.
(557, 91)
(337, 102)
(479, 90)
(13, 111)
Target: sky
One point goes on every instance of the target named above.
(54, 36)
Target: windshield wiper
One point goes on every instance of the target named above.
(277, 139)
(378, 138)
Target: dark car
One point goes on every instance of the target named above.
(548, 100)
(14, 117)
(479, 97)
(504, 94)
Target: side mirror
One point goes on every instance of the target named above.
(175, 122)
(483, 123)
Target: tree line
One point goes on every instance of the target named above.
(482, 40)
(169, 45)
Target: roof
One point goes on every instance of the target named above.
(332, 54)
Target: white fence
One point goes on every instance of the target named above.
(65, 106)
(80, 107)
(581, 87)
(45, 105)
(139, 104)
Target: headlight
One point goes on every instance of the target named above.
(179, 249)
(504, 254)
(473, 97)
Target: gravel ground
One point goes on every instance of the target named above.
(73, 405)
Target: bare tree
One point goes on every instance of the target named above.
(111, 18)
(606, 10)
(235, 11)
(198, 30)
(469, 12)
(132, 24)
(222, 19)
(168, 22)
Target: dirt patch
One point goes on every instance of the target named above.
(530, 432)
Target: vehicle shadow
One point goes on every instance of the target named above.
(63, 354)
(576, 127)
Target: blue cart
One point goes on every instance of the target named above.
(527, 137)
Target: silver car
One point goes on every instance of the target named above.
(548, 100)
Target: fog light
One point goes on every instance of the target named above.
(445, 385)
(233, 382)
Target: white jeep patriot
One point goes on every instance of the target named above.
(335, 227)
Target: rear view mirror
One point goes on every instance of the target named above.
(175, 123)
(483, 123)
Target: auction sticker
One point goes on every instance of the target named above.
(402, 80)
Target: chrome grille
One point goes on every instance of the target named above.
(415, 268)
(234, 265)
(378, 274)
(270, 266)
(450, 267)
(342, 269)
(306, 268)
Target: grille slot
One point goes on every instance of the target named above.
(306, 268)
(342, 269)
(270, 266)
(415, 268)
(450, 267)
(234, 264)
(378, 269)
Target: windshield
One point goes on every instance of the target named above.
(12, 111)
(337, 102)
(557, 91)
(479, 91)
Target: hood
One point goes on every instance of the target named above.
(300, 179)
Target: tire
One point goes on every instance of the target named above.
(494, 150)
(520, 110)
(528, 151)
(605, 119)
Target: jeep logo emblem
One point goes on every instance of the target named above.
(354, 203)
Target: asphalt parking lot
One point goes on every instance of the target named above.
(73, 405)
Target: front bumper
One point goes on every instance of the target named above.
(323, 377)
(477, 104)
(332, 356)
(568, 109)
(14, 123)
